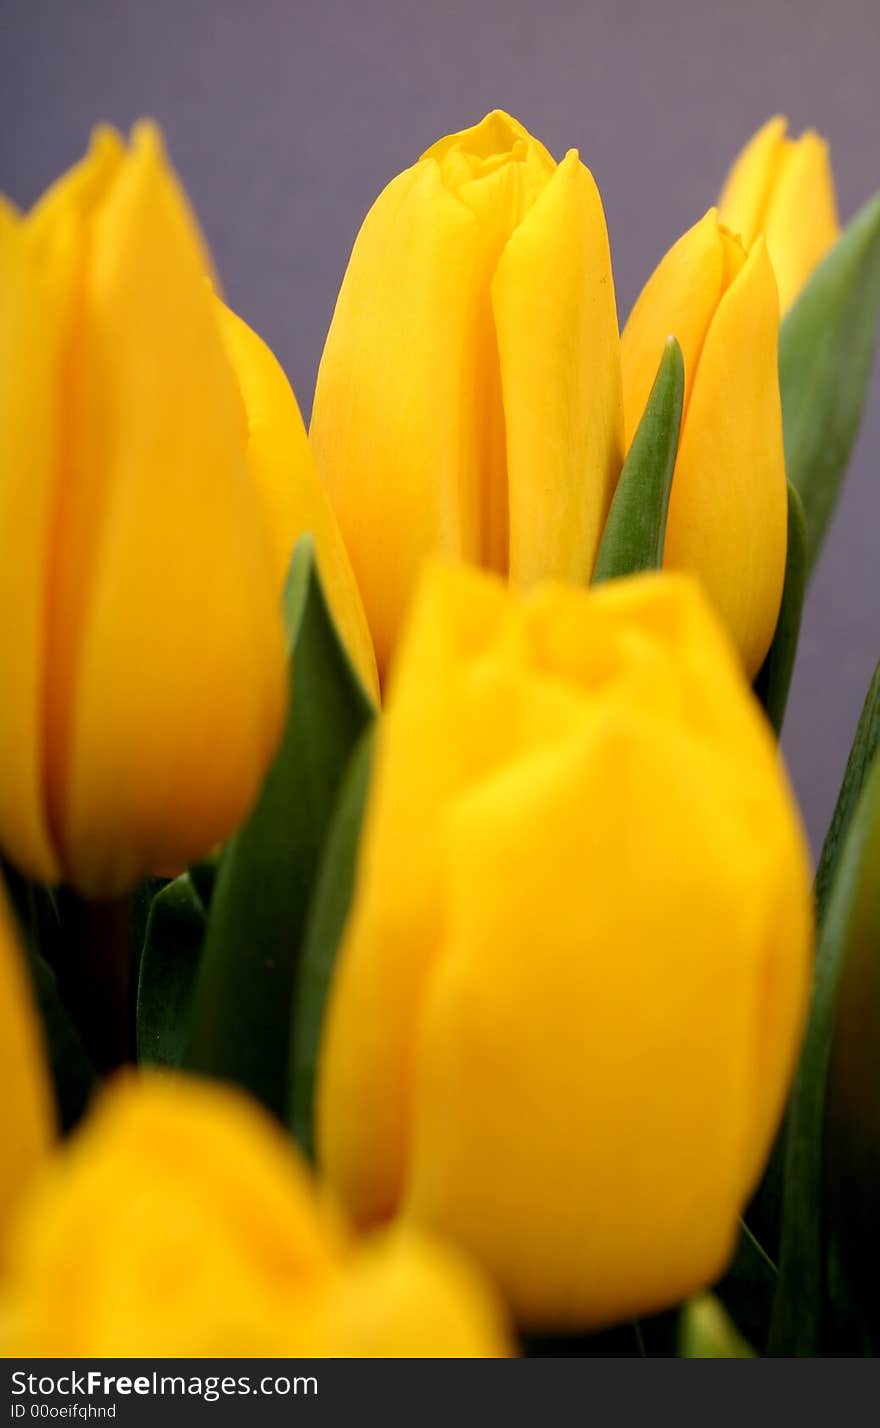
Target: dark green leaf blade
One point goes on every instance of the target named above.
(853, 1108)
(826, 346)
(801, 1296)
(327, 915)
(774, 677)
(169, 963)
(73, 1076)
(636, 526)
(242, 1007)
(861, 756)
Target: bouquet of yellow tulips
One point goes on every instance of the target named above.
(408, 941)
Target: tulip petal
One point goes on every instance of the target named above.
(678, 300)
(167, 702)
(746, 193)
(391, 426)
(40, 269)
(728, 509)
(292, 497)
(556, 324)
(801, 222)
(406, 1296)
(28, 440)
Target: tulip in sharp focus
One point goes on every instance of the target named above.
(180, 1223)
(141, 671)
(290, 491)
(784, 189)
(468, 398)
(571, 987)
(728, 509)
(26, 1114)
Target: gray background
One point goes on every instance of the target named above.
(285, 120)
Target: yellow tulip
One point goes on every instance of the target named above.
(570, 990)
(728, 508)
(468, 397)
(784, 189)
(291, 493)
(180, 1223)
(26, 1113)
(142, 671)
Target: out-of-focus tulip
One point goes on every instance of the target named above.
(563, 1022)
(293, 497)
(26, 1115)
(784, 189)
(142, 671)
(468, 398)
(181, 1223)
(728, 508)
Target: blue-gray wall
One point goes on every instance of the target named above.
(285, 119)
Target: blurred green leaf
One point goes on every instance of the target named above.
(73, 1076)
(169, 963)
(864, 747)
(826, 346)
(853, 1106)
(242, 1008)
(327, 915)
(636, 525)
(747, 1288)
(774, 677)
(800, 1303)
(72, 1073)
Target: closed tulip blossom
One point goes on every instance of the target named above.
(784, 189)
(727, 517)
(180, 1223)
(468, 397)
(142, 669)
(569, 995)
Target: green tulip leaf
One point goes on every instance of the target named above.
(636, 526)
(242, 1007)
(169, 964)
(853, 1107)
(326, 920)
(73, 1076)
(800, 1304)
(747, 1287)
(774, 678)
(826, 346)
(864, 747)
(71, 1071)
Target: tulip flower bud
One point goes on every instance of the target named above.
(292, 495)
(26, 1116)
(468, 398)
(182, 1224)
(142, 676)
(569, 993)
(728, 508)
(784, 189)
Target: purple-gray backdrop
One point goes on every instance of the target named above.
(285, 119)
